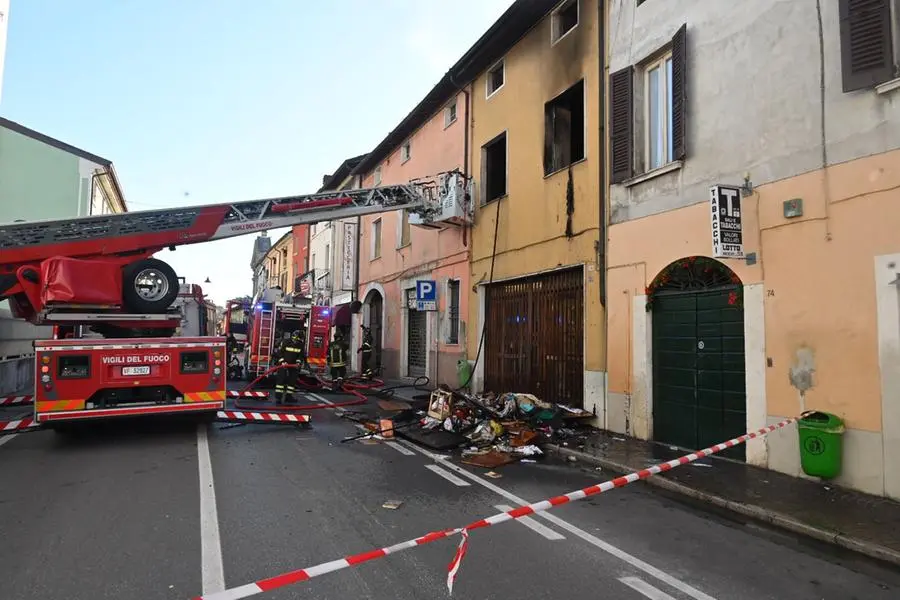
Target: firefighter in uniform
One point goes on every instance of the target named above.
(337, 356)
(290, 352)
(367, 350)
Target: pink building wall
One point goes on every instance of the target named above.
(437, 255)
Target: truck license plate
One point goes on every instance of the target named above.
(135, 370)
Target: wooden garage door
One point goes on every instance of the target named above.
(534, 338)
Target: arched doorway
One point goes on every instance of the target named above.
(699, 391)
(375, 304)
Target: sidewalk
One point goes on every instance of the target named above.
(853, 520)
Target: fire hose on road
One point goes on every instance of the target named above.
(354, 386)
(300, 575)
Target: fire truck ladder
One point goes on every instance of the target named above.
(266, 331)
(128, 240)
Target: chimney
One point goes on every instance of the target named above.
(325, 179)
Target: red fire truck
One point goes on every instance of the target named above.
(100, 272)
(270, 320)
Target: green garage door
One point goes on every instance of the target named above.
(699, 395)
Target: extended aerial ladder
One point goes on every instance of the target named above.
(100, 269)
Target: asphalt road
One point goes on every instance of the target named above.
(169, 510)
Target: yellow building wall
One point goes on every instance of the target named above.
(531, 236)
(818, 276)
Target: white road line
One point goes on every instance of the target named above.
(7, 438)
(644, 588)
(448, 476)
(212, 571)
(584, 535)
(401, 449)
(532, 524)
(321, 398)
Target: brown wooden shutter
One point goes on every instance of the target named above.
(867, 54)
(621, 125)
(679, 94)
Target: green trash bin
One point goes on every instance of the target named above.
(821, 444)
(463, 372)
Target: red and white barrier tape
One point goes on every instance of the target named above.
(17, 425)
(267, 417)
(279, 581)
(247, 394)
(16, 400)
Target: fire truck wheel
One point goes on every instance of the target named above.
(149, 286)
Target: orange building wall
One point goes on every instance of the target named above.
(437, 255)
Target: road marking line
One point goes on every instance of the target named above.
(212, 570)
(401, 449)
(448, 476)
(644, 588)
(532, 524)
(584, 535)
(321, 399)
(7, 438)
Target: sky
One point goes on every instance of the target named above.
(209, 101)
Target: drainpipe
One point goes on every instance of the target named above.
(465, 168)
(603, 242)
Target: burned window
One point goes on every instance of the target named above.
(564, 129)
(565, 19)
(493, 168)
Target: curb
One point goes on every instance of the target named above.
(780, 520)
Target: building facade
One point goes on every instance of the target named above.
(536, 250)
(279, 263)
(44, 178)
(732, 308)
(333, 244)
(395, 254)
(300, 233)
(258, 263)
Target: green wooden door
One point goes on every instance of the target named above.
(699, 395)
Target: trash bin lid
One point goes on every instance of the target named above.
(822, 420)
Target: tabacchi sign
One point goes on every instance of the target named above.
(727, 224)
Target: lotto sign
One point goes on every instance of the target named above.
(426, 295)
(727, 227)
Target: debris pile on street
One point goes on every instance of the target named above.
(492, 430)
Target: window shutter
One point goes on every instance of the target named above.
(679, 94)
(621, 125)
(867, 55)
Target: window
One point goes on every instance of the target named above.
(404, 237)
(327, 256)
(453, 310)
(657, 127)
(658, 112)
(639, 2)
(496, 77)
(376, 239)
(870, 43)
(564, 20)
(450, 114)
(312, 263)
(377, 176)
(493, 168)
(564, 129)
(405, 151)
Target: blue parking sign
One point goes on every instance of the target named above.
(426, 295)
